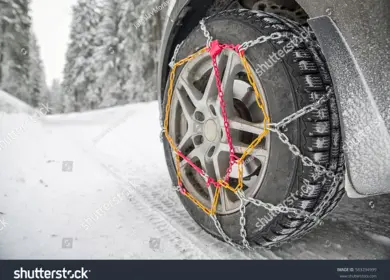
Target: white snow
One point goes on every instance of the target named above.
(379, 238)
(114, 201)
(10, 104)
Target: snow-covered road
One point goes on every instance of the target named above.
(95, 185)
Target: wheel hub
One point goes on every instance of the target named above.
(210, 130)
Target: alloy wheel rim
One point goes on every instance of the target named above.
(197, 127)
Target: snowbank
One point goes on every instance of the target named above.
(10, 104)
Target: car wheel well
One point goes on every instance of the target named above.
(287, 8)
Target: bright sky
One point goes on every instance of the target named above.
(51, 24)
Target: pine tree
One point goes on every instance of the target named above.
(15, 25)
(134, 61)
(127, 51)
(37, 81)
(118, 62)
(107, 58)
(56, 98)
(79, 73)
(142, 30)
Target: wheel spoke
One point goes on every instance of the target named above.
(193, 93)
(233, 67)
(221, 163)
(185, 140)
(187, 108)
(195, 153)
(211, 190)
(211, 90)
(243, 125)
(226, 203)
(208, 167)
(257, 152)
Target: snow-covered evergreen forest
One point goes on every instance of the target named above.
(111, 58)
(21, 68)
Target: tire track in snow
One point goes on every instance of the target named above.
(170, 228)
(185, 224)
(196, 233)
(162, 212)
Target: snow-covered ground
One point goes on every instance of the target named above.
(95, 185)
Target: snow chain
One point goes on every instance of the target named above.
(214, 48)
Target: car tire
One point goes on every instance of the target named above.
(298, 78)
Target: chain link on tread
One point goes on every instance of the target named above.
(240, 194)
(337, 178)
(305, 110)
(260, 40)
(176, 51)
(223, 234)
(206, 32)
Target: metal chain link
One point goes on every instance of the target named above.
(305, 159)
(171, 64)
(241, 196)
(337, 179)
(275, 127)
(279, 208)
(225, 119)
(174, 56)
(260, 40)
(244, 46)
(305, 110)
(223, 234)
(206, 32)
